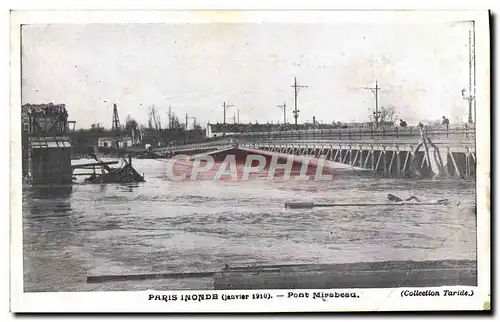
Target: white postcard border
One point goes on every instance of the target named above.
(370, 299)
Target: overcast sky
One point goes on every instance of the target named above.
(195, 67)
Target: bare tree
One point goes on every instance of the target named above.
(96, 127)
(176, 124)
(130, 124)
(387, 113)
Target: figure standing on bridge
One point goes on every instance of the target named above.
(421, 127)
(446, 121)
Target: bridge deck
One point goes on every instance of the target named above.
(459, 139)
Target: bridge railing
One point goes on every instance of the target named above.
(361, 133)
(223, 142)
(448, 133)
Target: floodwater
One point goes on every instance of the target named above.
(192, 226)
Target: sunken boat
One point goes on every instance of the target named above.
(122, 174)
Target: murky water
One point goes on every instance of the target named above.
(201, 225)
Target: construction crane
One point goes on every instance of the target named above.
(116, 121)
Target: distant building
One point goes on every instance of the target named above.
(125, 142)
(106, 142)
(114, 142)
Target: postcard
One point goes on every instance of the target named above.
(250, 161)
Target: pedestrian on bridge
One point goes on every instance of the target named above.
(446, 121)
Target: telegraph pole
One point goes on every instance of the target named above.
(238, 116)
(374, 90)
(186, 121)
(296, 90)
(283, 107)
(471, 97)
(225, 106)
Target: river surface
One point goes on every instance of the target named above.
(192, 226)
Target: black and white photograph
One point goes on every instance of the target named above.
(251, 161)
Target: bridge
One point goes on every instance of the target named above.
(426, 151)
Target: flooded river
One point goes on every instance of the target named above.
(193, 226)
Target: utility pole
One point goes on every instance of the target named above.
(283, 107)
(238, 116)
(225, 106)
(374, 90)
(470, 97)
(234, 118)
(186, 121)
(296, 90)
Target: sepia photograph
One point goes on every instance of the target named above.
(211, 155)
